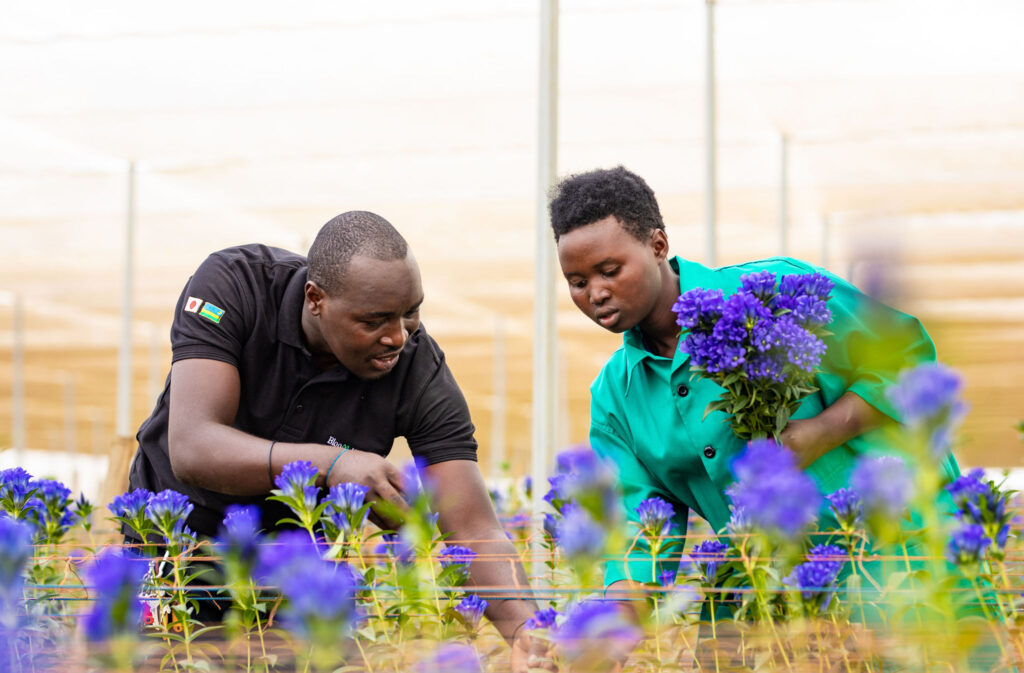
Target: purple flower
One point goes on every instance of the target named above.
(114, 580)
(655, 515)
(320, 599)
(578, 535)
(298, 482)
(456, 555)
(596, 630)
(761, 284)
(240, 533)
(53, 493)
(967, 545)
(845, 504)
(452, 658)
(343, 504)
(471, 610)
(415, 482)
(814, 579)
(883, 483)
(395, 546)
(928, 398)
(828, 553)
(15, 488)
(698, 307)
(288, 554)
(168, 510)
(775, 496)
(130, 505)
(542, 619)
(709, 555)
(15, 551)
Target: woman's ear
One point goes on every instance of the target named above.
(659, 244)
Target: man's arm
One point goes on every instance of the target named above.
(466, 514)
(206, 451)
(849, 417)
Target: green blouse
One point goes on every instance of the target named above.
(647, 411)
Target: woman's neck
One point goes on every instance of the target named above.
(660, 330)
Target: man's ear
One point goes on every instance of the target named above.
(659, 244)
(315, 297)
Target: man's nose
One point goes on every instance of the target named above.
(396, 336)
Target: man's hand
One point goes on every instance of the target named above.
(383, 480)
(531, 654)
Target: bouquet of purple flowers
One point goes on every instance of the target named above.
(762, 344)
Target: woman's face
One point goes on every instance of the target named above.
(613, 278)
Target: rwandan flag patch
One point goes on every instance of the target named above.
(212, 313)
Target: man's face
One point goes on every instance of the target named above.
(366, 322)
(613, 278)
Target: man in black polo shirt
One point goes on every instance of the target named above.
(277, 358)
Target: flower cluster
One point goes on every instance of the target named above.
(239, 536)
(709, 555)
(845, 504)
(814, 579)
(655, 516)
(776, 497)
(981, 502)
(927, 398)
(583, 495)
(884, 485)
(595, 632)
(761, 344)
(114, 580)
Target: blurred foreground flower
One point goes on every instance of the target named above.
(452, 658)
(596, 634)
(776, 497)
(884, 484)
(114, 579)
(928, 399)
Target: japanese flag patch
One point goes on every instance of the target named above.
(193, 304)
(212, 313)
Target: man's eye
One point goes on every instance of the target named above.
(373, 324)
(412, 314)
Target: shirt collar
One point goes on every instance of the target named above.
(289, 316)
(691, 274)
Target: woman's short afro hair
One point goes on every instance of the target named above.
(585, 198)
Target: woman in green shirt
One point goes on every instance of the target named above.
(647, 412)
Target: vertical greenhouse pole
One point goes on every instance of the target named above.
(544, 328)
(711, 192)
(154, 382)
(499, 392)
(124, 355)
(18, 379)
(825, 241)
(783, 194)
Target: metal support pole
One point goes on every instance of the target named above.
(500, 394)
(545, 333)
(783, 194)
(18, 380)
(124, 354)
(711, 193)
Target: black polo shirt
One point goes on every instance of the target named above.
(243, 306)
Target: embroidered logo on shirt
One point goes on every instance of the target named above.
(193, 304)
(212, 313)
(333, 441)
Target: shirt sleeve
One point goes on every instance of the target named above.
(635, 562)
(870, 345)
(214, 314)
(440, 428)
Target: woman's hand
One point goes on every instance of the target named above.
(804, 436)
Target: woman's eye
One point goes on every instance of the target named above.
(608, 273)
(577, 284)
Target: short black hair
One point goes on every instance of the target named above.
(356, 232)
(585, 198)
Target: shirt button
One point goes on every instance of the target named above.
(682, 391)
(709, 451)
(298, 408)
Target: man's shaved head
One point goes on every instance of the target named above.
(351, 234)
